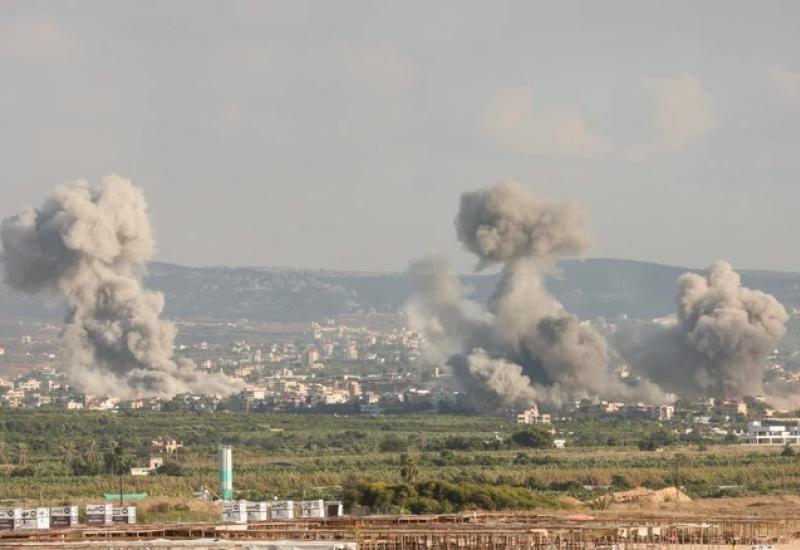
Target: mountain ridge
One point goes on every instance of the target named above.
(590, 288)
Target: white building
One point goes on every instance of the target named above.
(30, 385)
(255, 392)
(351, 353)
(771, 435)
(311, 356)
(153, 464)
(665, 412)
(336, 397)
(532, 416)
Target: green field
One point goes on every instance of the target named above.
(392, 463)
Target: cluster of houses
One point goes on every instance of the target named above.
(746, 421)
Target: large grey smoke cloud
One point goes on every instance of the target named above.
(524, 346)
(90, 246)
(721, 340)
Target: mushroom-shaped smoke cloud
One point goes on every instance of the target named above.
(90, 246)
(524, 346)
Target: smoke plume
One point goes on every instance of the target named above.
(722, 338)
(90, 246)
(524, 346)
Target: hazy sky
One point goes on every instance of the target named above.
(340, 134)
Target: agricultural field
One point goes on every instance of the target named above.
(410, 463)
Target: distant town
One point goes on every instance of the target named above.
(366, 368)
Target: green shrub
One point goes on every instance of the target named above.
(436, 496)
(533, 437)
(170, 468)
(393, 444)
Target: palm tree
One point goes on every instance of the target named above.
(90, 453)
(113, 458)
(68, 452)
(408, 469)
(113, 445)
(116, 464)
(22, 456)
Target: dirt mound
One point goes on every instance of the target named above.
(634, 495)
(643, 494)
(671, 494)
(570, 501)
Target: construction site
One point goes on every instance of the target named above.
(638, 519)
(468, 531)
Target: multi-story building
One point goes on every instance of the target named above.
(165, 445)
(733, 407)
(311, 356)
(758, 434)
(532, 416)
(665, 412)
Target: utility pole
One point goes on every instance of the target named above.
(677, 480)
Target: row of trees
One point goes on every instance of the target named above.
(68, 453)
(20, 454)
(437, 496)
(89, 459)
(529, 437)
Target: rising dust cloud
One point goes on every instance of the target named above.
(524, 347)
(720, 343)
(89, 246)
